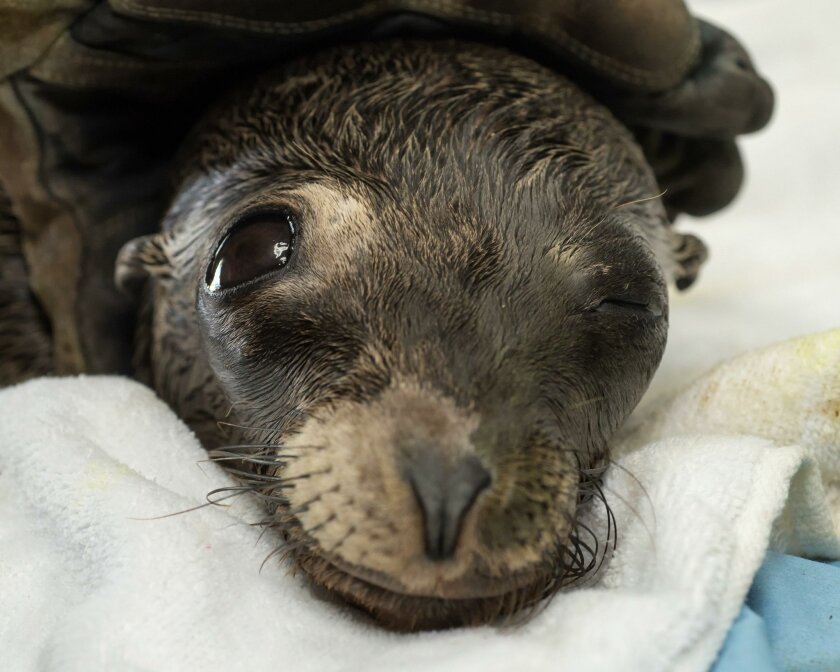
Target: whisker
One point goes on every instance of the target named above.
(261, 460)
(224, 423)
(642, 200)
(267, 448)
(611, 522)
(583, 403)
(265, 529)
(253, 476)
(192, 508)
(232, 447)
(268, 445)
(278, 549)
(285, 549)
(641, 487)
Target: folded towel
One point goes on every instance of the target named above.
(92, 578)
(788, 393)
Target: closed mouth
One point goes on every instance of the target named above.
(393, 606)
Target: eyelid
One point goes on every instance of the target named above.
(250, 214)
(650, 306)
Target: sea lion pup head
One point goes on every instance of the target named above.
(428, 282)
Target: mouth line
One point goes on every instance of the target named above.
(348, 580)
(403, 611)
(382, 582)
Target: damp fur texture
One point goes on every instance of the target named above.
(479, 277)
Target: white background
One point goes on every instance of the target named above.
(774, 267)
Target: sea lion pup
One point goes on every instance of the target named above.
(426, 282)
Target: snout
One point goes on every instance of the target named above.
(398, 509)
(445, 492)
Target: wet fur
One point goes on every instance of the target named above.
(463, 211)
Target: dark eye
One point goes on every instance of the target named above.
(611, 305)
(259, 244)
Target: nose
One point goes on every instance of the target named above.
(446, 492)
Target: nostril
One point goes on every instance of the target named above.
(445, 492)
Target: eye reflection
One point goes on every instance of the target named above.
(258, 245)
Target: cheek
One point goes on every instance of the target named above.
(229, 341)
(623, 352)
(599, 377)
(270, 361)
(531, 507)
(224, 336)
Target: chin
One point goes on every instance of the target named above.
(473, 600)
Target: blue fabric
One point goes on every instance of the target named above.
(790, 621)
(747, 646)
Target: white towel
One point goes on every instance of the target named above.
(88, 583)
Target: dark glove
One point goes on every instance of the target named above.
(688, 132)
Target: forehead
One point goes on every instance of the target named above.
(444, 122)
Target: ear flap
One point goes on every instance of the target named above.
(138, 259)
(688, 254)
